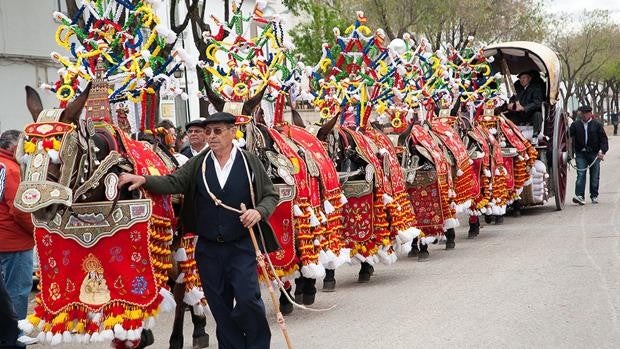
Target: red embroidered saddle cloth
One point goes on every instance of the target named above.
(113, 262)
(426, 201)
(512, 134)
(282, 220)
(359, 219)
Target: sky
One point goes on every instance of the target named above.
(579, 5)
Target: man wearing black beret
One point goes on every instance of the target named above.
(197, 138)
(525, 107)
(590, 145)
(224, 253)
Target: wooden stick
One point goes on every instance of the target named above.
(274, 299)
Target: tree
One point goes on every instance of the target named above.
(451, 22)
(324, 16)
(584, 44)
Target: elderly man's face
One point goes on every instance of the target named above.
(525, 79)
(220, 135)
(197, 137)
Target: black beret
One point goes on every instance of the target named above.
(224, 117)
(200, 122)
(585, 109)
(531, 73)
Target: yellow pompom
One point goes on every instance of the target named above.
(60, 318)
(29, 147)
(56, 144)
(79, 327)
(239, 134)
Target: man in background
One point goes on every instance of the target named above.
(525, 107)
(16, 232)
(590, 145)
(197, 137)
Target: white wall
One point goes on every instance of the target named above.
(26, 40)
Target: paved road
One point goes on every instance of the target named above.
(545, 280)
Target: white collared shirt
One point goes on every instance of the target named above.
(585, 127)
(223, 172)
(196, 152)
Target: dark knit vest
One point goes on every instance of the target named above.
(216, 223)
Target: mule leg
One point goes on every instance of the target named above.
(516, 208)
(200, 337)
(450, 237)
(286, 307)
(365, 272)
(176, 337)
(299, 289)
(309, 290)
(474, 227)
(423, 255)
(499, 219)
(414, 248)
(329, 282)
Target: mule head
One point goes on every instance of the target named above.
(49, 150)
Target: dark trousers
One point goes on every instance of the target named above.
(228, 272)
(8, 319)
(522, 118)
(583, 160)
(615, 128)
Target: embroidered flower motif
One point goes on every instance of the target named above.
(136, 257)
(46, 240)
(52, 262)
(135, 236)
(138, 285)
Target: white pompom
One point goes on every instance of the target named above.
(297, 211)
(54, 156)
(343, 199)
(329, 208)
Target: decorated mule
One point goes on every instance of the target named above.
(378, 219)
(88, 231)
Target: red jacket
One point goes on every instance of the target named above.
(16, 229)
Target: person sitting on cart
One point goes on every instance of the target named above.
(525, 107)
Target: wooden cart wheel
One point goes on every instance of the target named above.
(560, 159)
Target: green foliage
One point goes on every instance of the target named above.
(310, 35)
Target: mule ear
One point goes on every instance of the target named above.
(259, 118)
(326, 128)
(73, 110)
(214, 98)
(33, 102)
(297, 120)
(402, 138)
(252, 103)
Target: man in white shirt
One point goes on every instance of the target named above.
(197, 137)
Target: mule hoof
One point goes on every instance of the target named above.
(176, 342)
(146, 339)
(309, 299)
(423, 256)
(472, 234)
(363, 277)
(499, 220)
(200, 342)
(450, 245)
(299, 298)
(286, 308)
(413, 253)
(329, 285)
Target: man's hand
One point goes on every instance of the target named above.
(249, 218)
(600, 156)
(135, 180)
(519, 107)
